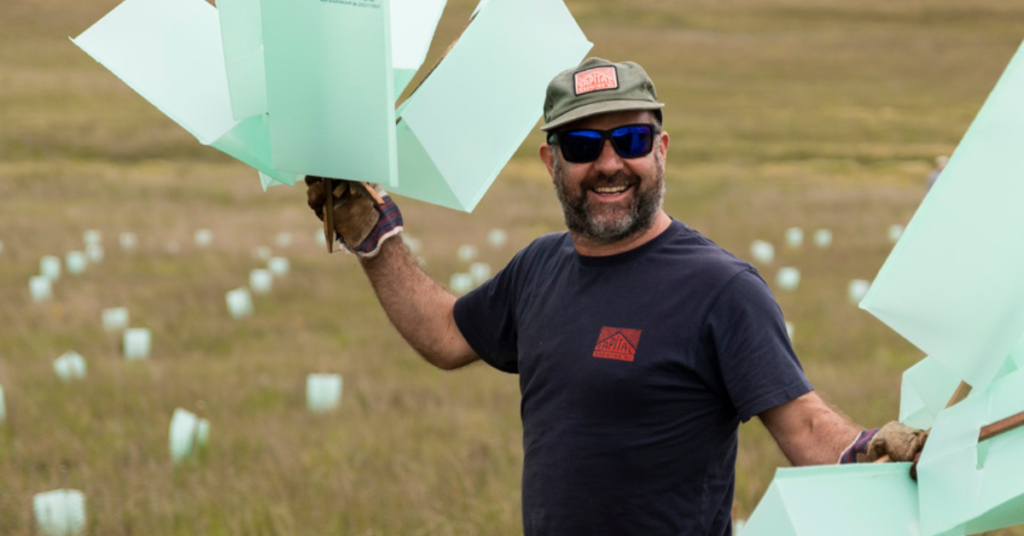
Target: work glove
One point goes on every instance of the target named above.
(896, 440)
(360, 224)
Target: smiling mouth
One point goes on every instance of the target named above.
(611, 190)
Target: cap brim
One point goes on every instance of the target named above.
(602, 107)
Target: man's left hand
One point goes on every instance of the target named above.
(896, 440)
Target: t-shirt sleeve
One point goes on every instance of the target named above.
(746, 331)
(486, 317)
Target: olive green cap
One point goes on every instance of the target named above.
(597, 86)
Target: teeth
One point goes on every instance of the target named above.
(610, 189)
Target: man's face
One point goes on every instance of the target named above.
(611, 198)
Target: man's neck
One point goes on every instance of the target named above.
(583, 247)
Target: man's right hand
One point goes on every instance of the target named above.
(361, 225)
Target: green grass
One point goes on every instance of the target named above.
(814, 113)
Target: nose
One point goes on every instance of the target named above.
(608, 161)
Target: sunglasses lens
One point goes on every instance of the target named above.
(633, 141)
(581, 145)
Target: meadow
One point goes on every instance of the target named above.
(809, 113)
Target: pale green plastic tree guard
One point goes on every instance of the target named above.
(965, 304)
(94, 253)
(952, 285)
(323, 392)
(838, 500)
(241, 21)
(170, 52)
(330, 91)
(412, 29)
(92, 237)
(261, 281)
(926, 389)
(279, 266)
(330, 109)
(501, 67)
(239, 302)
(967, 487)
(188, 434)
(136, 343)
(241, 28)
(70, 366)
(413, 23)
(49, 267)
(41, 288)
(76, 262)
(115, 319)
(929, 385)
(60, 512)
(249, 142)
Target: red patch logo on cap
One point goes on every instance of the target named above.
(596, 79)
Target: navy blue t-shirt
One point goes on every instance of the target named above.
(635, 371)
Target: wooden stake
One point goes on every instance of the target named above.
(368, 191)
(961, 393)
(335, 188)
(329, 214)
(1001, 426)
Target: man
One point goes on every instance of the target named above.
(640, 344)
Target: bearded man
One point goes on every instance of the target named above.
(640, 344)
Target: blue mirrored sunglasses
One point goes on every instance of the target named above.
(585, 145)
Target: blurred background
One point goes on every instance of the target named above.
(818, 114)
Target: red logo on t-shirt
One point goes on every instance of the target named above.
(617, 343)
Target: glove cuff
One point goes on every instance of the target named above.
(389, 224)
(859, 446)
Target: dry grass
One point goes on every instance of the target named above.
(815, 113)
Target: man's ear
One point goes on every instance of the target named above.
(663, 140)
(547, 155)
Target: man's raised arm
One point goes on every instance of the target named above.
(419, 308)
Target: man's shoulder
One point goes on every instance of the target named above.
(539, 256)
(546, 246)
(556, 239)
(699, 254)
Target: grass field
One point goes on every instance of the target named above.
(811, 113)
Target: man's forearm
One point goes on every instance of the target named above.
(809, 431)
(419, 308)
(828, 433)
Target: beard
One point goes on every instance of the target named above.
(600, 223)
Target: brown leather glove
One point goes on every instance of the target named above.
(896, 440)
(354, 214)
